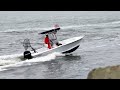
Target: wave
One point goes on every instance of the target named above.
(63, 27)
(115, 22)
(91, 25)
(25, 29)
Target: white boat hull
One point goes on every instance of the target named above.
(68, 46)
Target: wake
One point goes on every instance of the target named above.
(8, 61)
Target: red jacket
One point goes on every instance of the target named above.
(47, 41)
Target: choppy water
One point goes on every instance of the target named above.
(100, 46)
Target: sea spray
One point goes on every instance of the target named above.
(7, 63)
(9, 59)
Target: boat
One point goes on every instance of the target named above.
(67, 46)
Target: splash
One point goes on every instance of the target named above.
(9, 59)
(14, 61)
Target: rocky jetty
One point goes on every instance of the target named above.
(110, 72)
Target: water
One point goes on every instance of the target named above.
(99, 48)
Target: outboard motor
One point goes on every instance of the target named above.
(27, 55)
(26, 44)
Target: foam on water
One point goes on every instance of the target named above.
(9, 59)
(14, 61)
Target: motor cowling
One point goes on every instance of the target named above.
(27, 55)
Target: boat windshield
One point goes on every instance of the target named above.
(52, 35)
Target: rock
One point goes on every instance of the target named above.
(110, 72)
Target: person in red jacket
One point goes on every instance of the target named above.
(47, 41)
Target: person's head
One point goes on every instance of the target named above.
(46, 35)
(54, 32)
